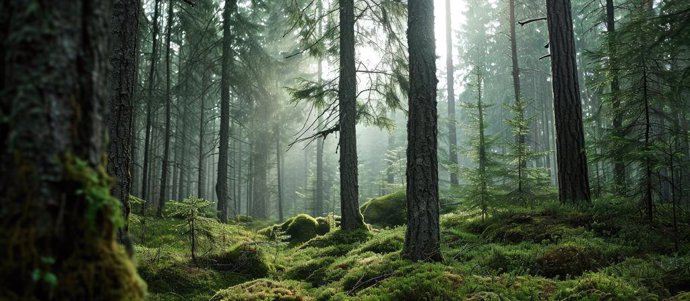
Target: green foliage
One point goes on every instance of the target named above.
(386, 211)
(298, 229)
(95, 188)
(196, 224)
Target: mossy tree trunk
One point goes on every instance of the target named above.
(573, 178)
(347, 95)
(422, 238)
(123, 60)
(58, 219)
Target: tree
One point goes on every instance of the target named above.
(573, 179)
(168, 100)
(422, 238)
(520, 138)
(619, 166)
(452, 134)
(347, 95)
(149, 107)
(123, 61)
(222, 181)
(58, 219)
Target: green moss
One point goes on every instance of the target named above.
(536, 227)
(387, 241)
(301, 229)
(262, 290)
(568, 261)
(597, 286)
(339, 237)
(314, 271)
(188, 282)
(246, 259)
(323, 226)
(386, 211)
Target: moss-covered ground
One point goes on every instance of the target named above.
(546, 252)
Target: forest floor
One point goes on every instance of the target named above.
(546, 252)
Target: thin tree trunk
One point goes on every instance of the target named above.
(347, 95)
(149, 108)
(279, 176)
(123, 60)
(520, 138)
(55, 88)
(450, 80)
(619, 166)
(200, 158)
(168, 100)
(422, 238)
(573, 178)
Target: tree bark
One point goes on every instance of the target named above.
(58, 219)
(619, 166)
(279, 176)
(149, 108)
(200, 157)
(520, 138)
(347, 95)
(452, 133)
(222, 184)
(573, 179)
(168, 100)
(123, 60)
(422, 238)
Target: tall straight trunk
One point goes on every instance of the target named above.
(168, 99)
(239, 172)
(279, 176)
(390, 174)
(318, 190)
(200, 157)
(520, 139)
(619, 165)
(450, 80)
(123, 60)
(250, 179)
(149, 108)
(573, 179)
(222, 183)
(422, 238)
(482, 149)
(259, 187)
(58, 218)
(347, 96)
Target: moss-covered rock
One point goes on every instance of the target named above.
(386, 211)
(339, 238)
(262, 290)
(301, 229)
(538, 227)
(246, 259)
(568, 261)
(323, 226)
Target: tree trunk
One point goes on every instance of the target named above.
(619, 166)
(222, 184)
(58, 220)
(452, 134)
(149, 108)
(520, 139)
(279, 176)
(422, 238)
(123, 60)
(347, 95)
(200, 158)
(573, 179)
(168, 99)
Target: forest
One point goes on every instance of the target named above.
(260, 150)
